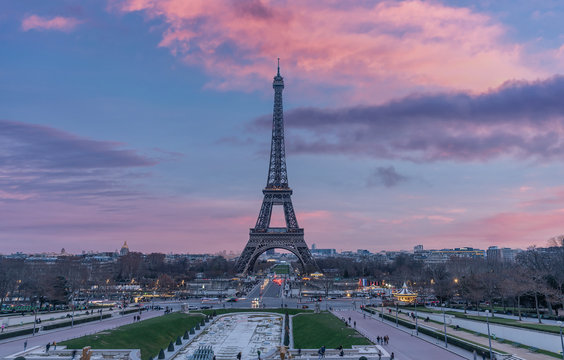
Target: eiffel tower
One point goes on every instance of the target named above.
(277, 192)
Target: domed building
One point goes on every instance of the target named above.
(124, 249)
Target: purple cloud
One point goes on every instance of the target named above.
(518, 119)
(41, 161)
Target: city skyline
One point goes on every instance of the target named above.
(407, 123)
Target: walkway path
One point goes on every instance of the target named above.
(521, 352)
(402, 344)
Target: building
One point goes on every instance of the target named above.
(124, 249)
(443, 255)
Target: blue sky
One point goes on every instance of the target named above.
(407, 122)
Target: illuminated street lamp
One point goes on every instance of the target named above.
(489, 337)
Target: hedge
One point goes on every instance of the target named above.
(76, 322)
(17, 333)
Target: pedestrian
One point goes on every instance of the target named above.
(74, 354)
(258, 353)
(392, 357)
(323, 351)
(239, 356)
(364, 315)
(379, 354)
(25, 345)
(355, 324)
(54, 345)
(349, 319)
(47, 347)
(2, 327)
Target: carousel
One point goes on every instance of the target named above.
(404, 296)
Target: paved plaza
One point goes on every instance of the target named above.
(246, 333)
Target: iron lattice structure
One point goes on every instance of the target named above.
(277, 192)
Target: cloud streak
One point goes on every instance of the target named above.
(524, 120)
(60, 23)
(39, 161)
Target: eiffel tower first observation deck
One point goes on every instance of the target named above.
(277, 192)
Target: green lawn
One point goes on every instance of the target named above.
(281, 269)
(278, 311)
(149, 335)
(311, 331)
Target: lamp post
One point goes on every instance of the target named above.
(561, 340)
(397, 325)
(35, 321)
(382, 297)
(416, 318)
(489, 337)
(72, 304)
(444, 326)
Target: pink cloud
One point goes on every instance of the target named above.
(381, 49)
(35, 22)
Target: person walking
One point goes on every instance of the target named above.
(355, 324)
(47, 347)
(25, 345)
(54, 345)
(258, 353)
(392, 357)
(239, 356)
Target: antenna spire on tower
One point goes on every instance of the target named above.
(278, 66)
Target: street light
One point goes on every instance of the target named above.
(444, 325)
(397, 325)
(561, 340)
(416, 324)
(489, 337)
(382, 297)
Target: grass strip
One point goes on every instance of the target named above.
(148, 335)
(311, 331)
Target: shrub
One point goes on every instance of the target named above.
(186, 336)
(192, 332)
(197, 326)
(362, 358)
(161, 354)
(170, 346)
(20, 358)
(178, 341)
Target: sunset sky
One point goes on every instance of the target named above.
(407, 122)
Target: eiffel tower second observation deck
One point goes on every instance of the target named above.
(276, 193)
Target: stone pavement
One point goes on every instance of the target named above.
(520, 352)
(402, 344)
(13, 345)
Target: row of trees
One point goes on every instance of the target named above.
(71, 277)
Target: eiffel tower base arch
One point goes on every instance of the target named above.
(261, 242)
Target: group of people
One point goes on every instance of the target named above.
(382, 340)
(47, 347)
(137, 318)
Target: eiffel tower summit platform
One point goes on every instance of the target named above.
(276, 193)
